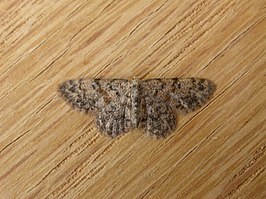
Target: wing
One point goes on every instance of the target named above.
(183, 94)
(114, 118)
(163, 98)
(159, 119)
(108, 99)
(92, 94)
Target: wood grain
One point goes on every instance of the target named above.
(48, 150)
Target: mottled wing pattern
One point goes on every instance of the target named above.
(166, 97)
(183, 94)
(114, 118)
(108, 99)
(160, 119)
(190, 94)
(120, 104)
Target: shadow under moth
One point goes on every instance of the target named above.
(153, 104)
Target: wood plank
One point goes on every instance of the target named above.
(48, 150)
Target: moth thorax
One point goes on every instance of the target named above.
(135, 102)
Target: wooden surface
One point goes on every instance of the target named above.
(48, 150)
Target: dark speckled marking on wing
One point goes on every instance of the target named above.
(163, 98)
(184, 95)
(108, 99)
(91, 94)
(120, 105)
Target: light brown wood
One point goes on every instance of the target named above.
(48, 150)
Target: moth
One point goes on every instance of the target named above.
(120, 105)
